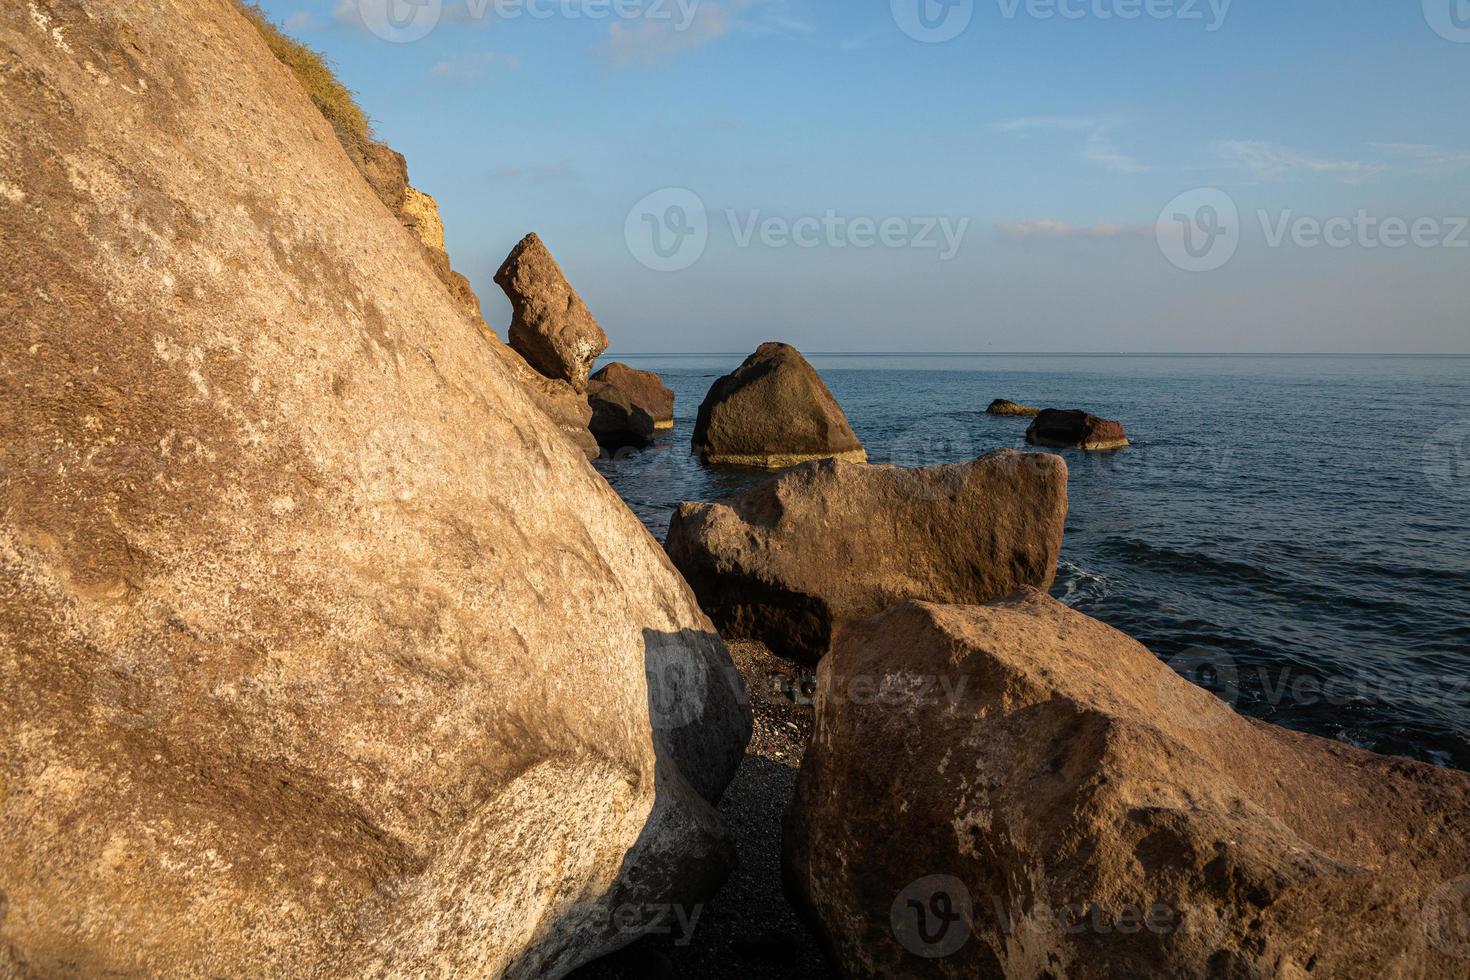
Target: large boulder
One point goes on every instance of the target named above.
(1060, 428)
(792, 560)
(1016, 790)
(645, 389)
(617, 422)
(551, 326)
(322, 654)
(771, 412)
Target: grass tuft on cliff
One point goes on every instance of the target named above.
(315, 74)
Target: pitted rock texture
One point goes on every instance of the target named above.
(550, 327)
(322, 654)
(792, 560)
(1016, 790)
(771, 412)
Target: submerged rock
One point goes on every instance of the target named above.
(617, 423)
(321, 654)
(1018, 790)
(1073, 429)
(645, 389)
(791, 561)
(1002, 407)
(773, 411)
(551, 327)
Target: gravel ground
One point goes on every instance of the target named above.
(748, 930)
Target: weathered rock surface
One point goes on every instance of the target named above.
(563, 404)
(551, 326)
(791, 561)
(322, 655)
(421, 212)
(616, 421)
(1073, 429)
(1016, 790)
(646, 390)
(1011, 409)
(772, 412)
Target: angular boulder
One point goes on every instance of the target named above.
(551, 326)
(773, 412)
(645, 389)
(1016, 790)
(791, 561)
(1059, 428)
(1011, 409)
(321, 654)
(617, 423)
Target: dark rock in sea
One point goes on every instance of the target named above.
(1018, 790)
(772, 412)
(644, 389)
(322, 654)
(1002, 407)
(1059, 428)
(551, 327)
(792, 560)
(617, 422)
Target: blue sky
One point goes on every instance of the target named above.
(1046, 144)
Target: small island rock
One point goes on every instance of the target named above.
(1058, 428)
(1011, 409)
(644, 389)
(617, 422)
(773, 411)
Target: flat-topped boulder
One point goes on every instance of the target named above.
(322, 654)
(790, 561)
(771, 412)
(1011, 409)
(1017, 790)
(617, 423)
(1059, 428)
(645, 389)
(551, 327)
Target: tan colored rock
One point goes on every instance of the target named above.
(1073, 429)
(422, 213)
(1016, 790)
(322, 656)
(645, 389)
(791, 561)
(771, 412)
(557, 399)
(551, 326)
(1010, 409)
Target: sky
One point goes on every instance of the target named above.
(943, 175)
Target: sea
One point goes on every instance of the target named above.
(1292, 532)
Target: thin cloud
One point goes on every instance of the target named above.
(1098, 146)
(473, 67)
(1272, 162)
(691, 24)
(1052, 230)
(1428, 158)
(301, 20)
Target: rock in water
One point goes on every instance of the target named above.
(321, 654)
(645, 389)
(791, 561)
(551, 326)
(1072, 429)
(1018, 790)
(1002, 407)
(772, 412)
(617, 423)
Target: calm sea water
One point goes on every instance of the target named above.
(1292, 531)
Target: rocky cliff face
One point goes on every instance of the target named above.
(322, 653)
